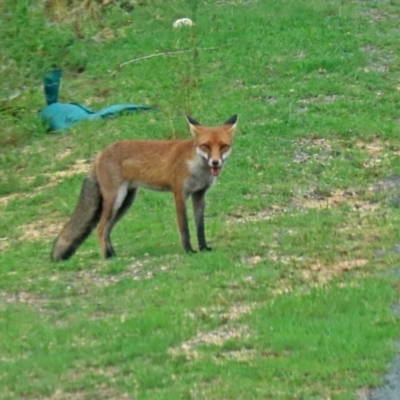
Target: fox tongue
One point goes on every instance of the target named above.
(215, 170)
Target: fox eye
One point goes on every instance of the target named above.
(205, 147)
(224, 148)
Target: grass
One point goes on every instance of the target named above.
(295, 300)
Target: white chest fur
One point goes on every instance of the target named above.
(200, 175)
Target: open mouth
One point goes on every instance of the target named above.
(215, 170)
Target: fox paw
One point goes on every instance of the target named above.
(206, 248)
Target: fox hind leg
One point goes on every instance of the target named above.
(124, 207)
(128, 201)
(114, 207)
(103, 230)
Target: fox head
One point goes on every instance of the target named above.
(213, 144)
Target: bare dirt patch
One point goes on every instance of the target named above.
(374, 148)
(242, 355)
(83, 281)
(102, 391)
(32, 300)
(39, 231)
(313, 149)
(336, 198)
(79, 167)
(4, 244)
(233, 313)
(263, 215)
(318, 274)
(321, 273)
(389, 184)
(310, 200)
(216, 337)
(44, 229)
(61, 395)
(379, 59)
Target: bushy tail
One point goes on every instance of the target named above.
(84, 219)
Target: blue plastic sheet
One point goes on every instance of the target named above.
(60, 116)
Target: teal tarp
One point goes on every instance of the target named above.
(60, 116)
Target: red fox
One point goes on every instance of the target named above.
(185, 167)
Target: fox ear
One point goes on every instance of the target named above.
(231, 122)
(192, 124)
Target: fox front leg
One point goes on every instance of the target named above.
(183, 224)
(198, 199)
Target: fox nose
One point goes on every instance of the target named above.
(215, 163)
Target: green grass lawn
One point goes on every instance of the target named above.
(294, 301)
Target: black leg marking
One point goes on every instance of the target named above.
(110, 252)
(198, 199)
